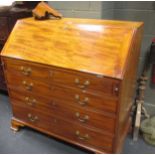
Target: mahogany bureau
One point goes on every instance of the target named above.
(74, 79)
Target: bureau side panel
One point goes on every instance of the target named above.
(127, 90)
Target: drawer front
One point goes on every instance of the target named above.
(3, 28)
(86, 100)
(26, 84)
(31, 101)
(30, 115)
(87, 82)
(101, 121)
(67, 130)
(31, 70)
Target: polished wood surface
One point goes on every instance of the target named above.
(87, 45)
(102, 122)
(86, 137)
(84, 100)
(75, 78)
(63, 77)
(128, 89)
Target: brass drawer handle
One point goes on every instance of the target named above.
(25, 71)
(32, 118)
(82, 103)
(84, 137)
(82, 86)
(28, 86)
(84, 119)
(30, 102)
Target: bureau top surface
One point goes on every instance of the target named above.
(89, 45)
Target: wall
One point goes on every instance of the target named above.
(121, 10)
(84, 9)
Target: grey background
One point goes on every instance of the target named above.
(119, 10)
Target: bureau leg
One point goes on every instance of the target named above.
(15, 125)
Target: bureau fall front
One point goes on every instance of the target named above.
(74, 79)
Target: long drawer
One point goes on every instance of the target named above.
(78, 80)
(70, 131)
(100, 121)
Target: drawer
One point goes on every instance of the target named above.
(101, 121)
(69, 131)
(3, 28)
(86, 99)
(31, 100)
(87, 82)
(30, 116)
(26, 84)
(26, 69)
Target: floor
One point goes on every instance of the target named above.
(29, 141)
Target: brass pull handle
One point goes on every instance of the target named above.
(25, 71)
(82, 86)
(82, 103)
(84, 137)
(32, 118)
(84, 119)
(30, 102)
(28, 86)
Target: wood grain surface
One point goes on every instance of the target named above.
(88, 45)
